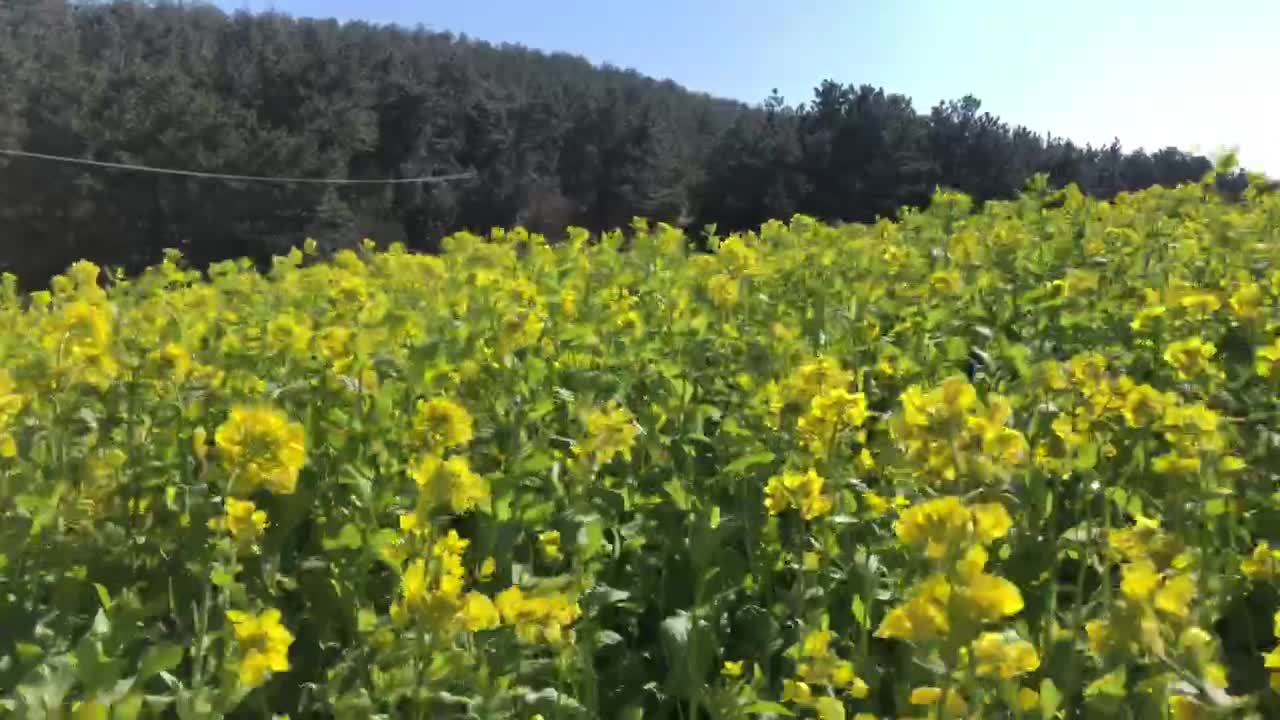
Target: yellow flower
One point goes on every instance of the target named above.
(1100, 636)
(487, 568)
(1190, 358)
(569, 303)
(1246, 302)
(1200, 304)
(1176, 595)
(998, 655)
(1089, 370)
(444, 423)
(925, 695)
(243, 520)
(1144, 405)
(797, 692)
(79, 338)
(549, 541)
(987, 598)
(866, 463)
(945, 525)
(1173, 464)
(263, 645)
(11, 403)
(955, 705)
(260, 447)
(938, 526)
(538, 618)
(732, 668)
(874, 503)
(479, 613)
(814, 377)
(171, 363)
(1262, 564)
(831, 411)
(923, 617)
(449, 483)
(519, 329)
(990, 522)
(1028, 699)
(801, 491)
(723, 291)
(289, 334)
(611, 431)
(200, 443)
(1139, 580)
(1267, 360)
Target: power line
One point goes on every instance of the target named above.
(241, 178)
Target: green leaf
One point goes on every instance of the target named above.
(28, 652)
(127, 709)
(1087, 456)
(103, 596)
(1111, 685)
(829, 708)
(740, 465)
(159, 658)
(221, 578)
(1050, 699)
(689, 648)
(605, 638)
(765, 707)
(348, 537)
(590, 540)
(602, 595)
(679, 495)
(859, 611)
(97, 670)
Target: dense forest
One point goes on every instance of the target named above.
(551, 140)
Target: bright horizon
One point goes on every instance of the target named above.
(1152, 73)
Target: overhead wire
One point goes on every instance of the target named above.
(236, 177)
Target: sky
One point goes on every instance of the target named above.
(1153, 73)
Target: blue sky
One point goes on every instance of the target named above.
(1154, 73)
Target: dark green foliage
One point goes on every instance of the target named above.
(551, 139)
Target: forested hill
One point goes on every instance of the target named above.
(552, 140)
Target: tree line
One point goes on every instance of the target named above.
(550, 138)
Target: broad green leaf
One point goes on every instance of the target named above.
(737, 467)
(159, 658)
(766, 707)
(829, 708)
(1050, 699)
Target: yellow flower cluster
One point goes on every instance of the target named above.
(1271, 661)
(450, 484)
(818, 666)
(262, 644)
(959, 597)
(539, 617)
(503, 478)
(946, 525)
(953, 439)
(242, 520)
(830, 412)
(610, 431)
(443, 423)
(803, 492)
(11, 403)
(261, 448)
(1154, 614)
(431, 590)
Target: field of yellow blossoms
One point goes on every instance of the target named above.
(1020, 462)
